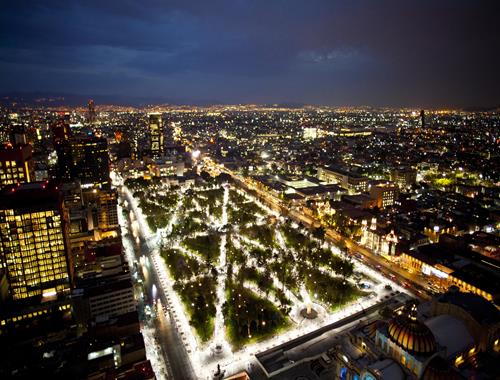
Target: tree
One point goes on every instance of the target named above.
(319, 233)
(346, 269)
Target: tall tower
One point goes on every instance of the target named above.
(90, 161)
(156, 135)
(18, 135)
(422, 119)
(16, 164)
(16, 159)
(33, 242)
(91, 112)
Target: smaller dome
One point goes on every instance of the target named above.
(410, 334)
(371, 329)
(439, 369)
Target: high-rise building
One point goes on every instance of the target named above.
(34, 241)
(156, 135)
(84, 158)
(102, 205)
(18, 135)
(16, 159)
(91, 161)
(91, 117)
(16, 164)
(61, 131)
(422, 118)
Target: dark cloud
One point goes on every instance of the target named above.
(386, 52)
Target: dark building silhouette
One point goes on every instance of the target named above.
(86, 159)
(91, 117)
(60, 131)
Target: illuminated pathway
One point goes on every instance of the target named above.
(219, 333)
(202, 357)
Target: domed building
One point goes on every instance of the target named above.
(439, 369)
(407, 340)
(411, 335)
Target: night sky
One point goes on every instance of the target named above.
(411, 53)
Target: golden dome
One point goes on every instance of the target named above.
(411, 335)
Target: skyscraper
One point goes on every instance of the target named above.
(16, 164)
(91, 117)
(85, 158)
(33, 241)
(16, 159)
(90, 161)
(60, 131)
(422, 119)
(156, 135)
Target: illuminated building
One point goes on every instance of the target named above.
(167, 167)
(33, 241)
(380, 240)
(156, 135)
(310, 133)
(403, 177)
(16, 164)
(353, 182)
(102, 212)
(438, 339)
(383, 194)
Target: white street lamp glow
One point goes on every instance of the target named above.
(202, 355)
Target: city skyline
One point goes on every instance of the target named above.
(417, 54)
(250, 190)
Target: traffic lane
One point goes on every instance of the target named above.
(168, 334)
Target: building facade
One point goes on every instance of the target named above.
(34, 241)
(156, 134)
(16, 164)
(353, 182)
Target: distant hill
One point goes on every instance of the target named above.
(33, 99)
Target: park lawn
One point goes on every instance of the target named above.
(209, 197)
(180, 266)
(237, 198)
(168, 201)
(199, 298)
(250, 318)
(293, 238)
(207, 246)
(187, 226)
(334, 292)
(240, 217)
(285, 274)
(263, 234)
